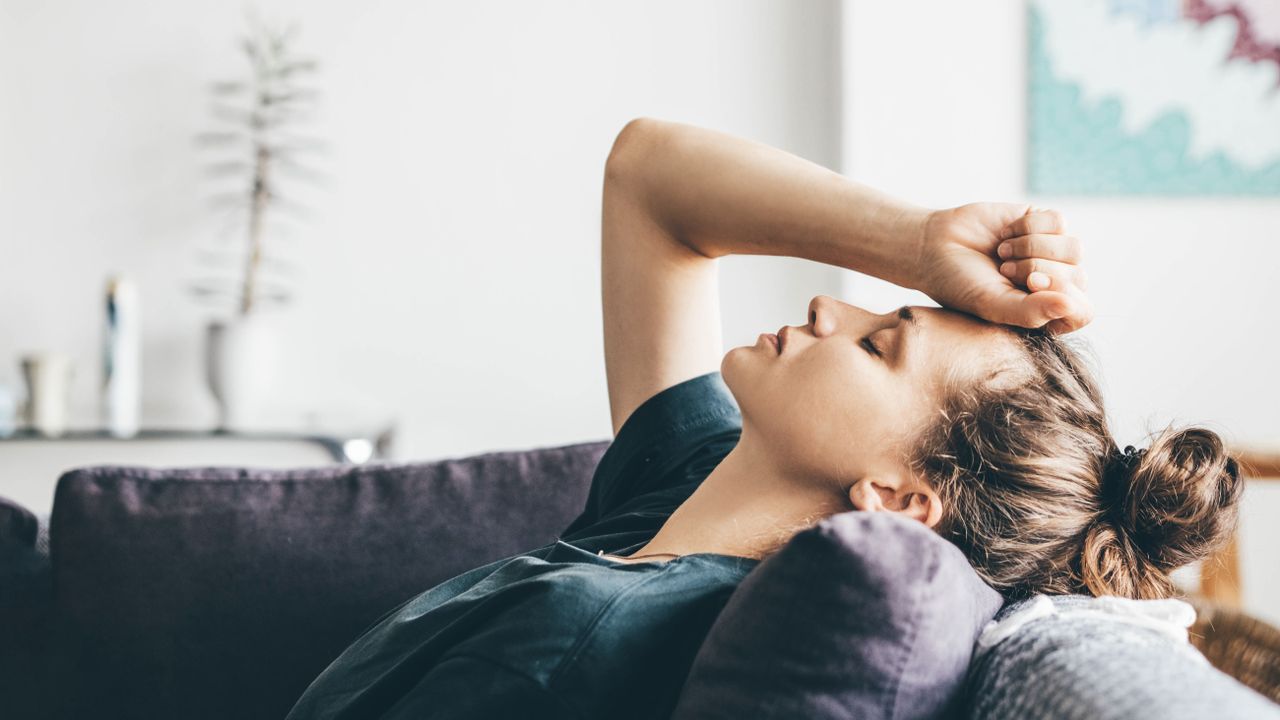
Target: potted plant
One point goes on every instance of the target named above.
(255, 145)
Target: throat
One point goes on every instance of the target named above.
(744, 508)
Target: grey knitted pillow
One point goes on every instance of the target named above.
(1073, 664)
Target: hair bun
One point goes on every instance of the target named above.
(1175, 500)
(1117, 475)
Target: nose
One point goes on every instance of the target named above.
(827, 314)
(823, 314)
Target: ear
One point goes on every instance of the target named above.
(908, 498)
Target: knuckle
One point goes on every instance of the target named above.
(1049, 246)
(1075, 247)
(1055, 219)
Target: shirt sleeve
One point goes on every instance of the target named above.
(674, 438)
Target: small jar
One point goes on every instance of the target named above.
(8, 411)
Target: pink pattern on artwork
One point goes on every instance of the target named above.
(1259, 36)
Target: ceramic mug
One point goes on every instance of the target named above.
(48, 376)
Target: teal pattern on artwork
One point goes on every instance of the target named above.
(1151, 11)
(1079, 149)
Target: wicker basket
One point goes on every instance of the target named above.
(1240, 645)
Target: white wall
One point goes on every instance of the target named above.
(449, 278)
(1184, 289)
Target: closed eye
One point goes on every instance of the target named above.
(870, 347)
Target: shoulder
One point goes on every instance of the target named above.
(675, 438)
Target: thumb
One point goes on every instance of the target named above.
(1012, 306)
(999, 215)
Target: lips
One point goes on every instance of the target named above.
(772, 340)
(782, 338)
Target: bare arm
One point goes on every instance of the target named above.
(678, 196)
(719, 194)
(675, 198)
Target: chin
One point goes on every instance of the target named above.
(735, 364)
(740, 370)
(727, 364)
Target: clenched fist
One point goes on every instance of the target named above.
(1007, 263)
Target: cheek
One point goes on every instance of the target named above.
(827, 408)
(833, 402)
(830, 414)
(841, 373)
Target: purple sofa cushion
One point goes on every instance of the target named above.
(866, 615)
(222, 592)
(17, 528)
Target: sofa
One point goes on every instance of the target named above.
(222, 592)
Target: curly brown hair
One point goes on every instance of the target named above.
(1037, 494)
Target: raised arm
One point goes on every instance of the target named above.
(677, 196)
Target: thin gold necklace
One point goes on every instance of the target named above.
(633, 557)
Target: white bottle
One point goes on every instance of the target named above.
(122, 359)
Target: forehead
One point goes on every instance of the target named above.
(953, 323)
(953, 343)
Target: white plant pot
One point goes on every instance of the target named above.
(242, 356)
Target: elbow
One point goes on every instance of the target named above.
(628, 146)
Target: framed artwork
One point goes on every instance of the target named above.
(1154, 97)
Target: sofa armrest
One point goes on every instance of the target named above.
(24, 606)
(172, 587)
(24, 573)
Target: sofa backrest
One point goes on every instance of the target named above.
(221, 592)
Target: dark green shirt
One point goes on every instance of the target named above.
(561, 632)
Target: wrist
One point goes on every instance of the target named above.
(914, 228)
(879, 235)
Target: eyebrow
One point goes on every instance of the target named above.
(912, 320)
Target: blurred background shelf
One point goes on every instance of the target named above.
(30, 463)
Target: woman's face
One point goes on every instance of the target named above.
(850, 387)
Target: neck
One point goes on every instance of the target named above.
(747, 507)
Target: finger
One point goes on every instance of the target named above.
(1031, 310)
(1063, 248)
(1081, 314)
(1036, 274)
(1035, 221)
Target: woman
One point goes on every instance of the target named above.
(974, 419)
